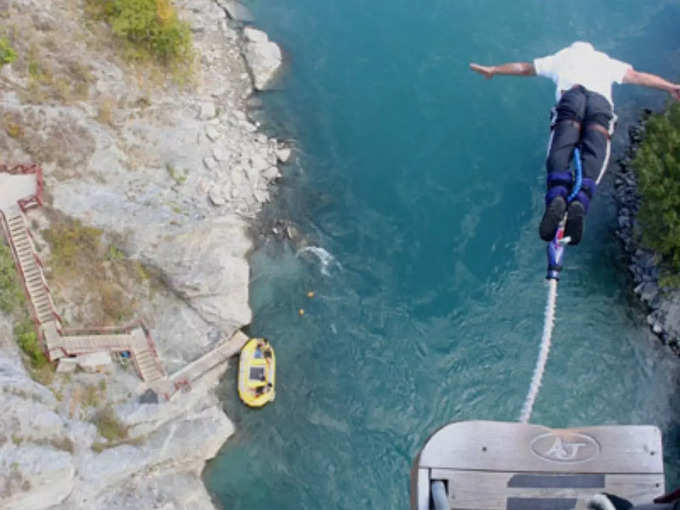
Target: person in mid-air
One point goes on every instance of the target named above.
(583, 117)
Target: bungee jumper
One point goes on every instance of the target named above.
(491, 465)
(582, 118)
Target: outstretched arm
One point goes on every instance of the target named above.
(511, 68)
(653, 81)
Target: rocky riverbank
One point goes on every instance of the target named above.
(172, 175)
(663, 304)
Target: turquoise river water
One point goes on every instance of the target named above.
(418, 188)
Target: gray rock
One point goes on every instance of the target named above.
(236, 11)
(220, 153)
(283, 154)
(254, 35)
(217, 197)
(211, 163)
(647, 291)
(263, 57)
(271, 173)
(212, 133)
(206, 265)
(207, 111)
(34, 477)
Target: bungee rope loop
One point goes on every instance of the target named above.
(555, 251)
(548, 324)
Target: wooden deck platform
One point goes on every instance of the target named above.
(512, 466)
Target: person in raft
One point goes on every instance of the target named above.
(583, 117)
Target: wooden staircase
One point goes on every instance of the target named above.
(59, 343)
(29, 267)
(21, 187)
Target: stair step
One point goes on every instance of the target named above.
(31, 273)
(42, 300)
(44, 309)
(36, 289)
(26, 260)
(44, 313)
(142, 359)
(35, 285)
(45, 317)
(146, 365)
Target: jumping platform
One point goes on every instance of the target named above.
(487, 465)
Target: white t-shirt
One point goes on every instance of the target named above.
(580, 64)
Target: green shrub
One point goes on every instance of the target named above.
(657, 163)
(11, 293)
(109, 425)
(151, 27)
(7, 53)
(27, 339)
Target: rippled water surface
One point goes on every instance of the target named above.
(418, 187)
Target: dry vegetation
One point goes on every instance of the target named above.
(44, 140)
(91, 270)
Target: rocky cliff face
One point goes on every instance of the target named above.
(663, 303)
(174, 173)
(49, 459)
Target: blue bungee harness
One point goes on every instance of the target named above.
(555, 247)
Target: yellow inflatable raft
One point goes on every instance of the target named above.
(256, 373)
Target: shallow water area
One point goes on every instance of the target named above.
(418, 187)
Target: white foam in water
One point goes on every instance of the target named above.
(324, 257)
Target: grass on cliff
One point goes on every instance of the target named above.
(7, 53)
(13, 302)
(111, 429)
(657, 163)
(11, 294)
(87, 268)
(148, 28)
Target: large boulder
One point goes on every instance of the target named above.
(263, 57)
(36, 444)
(206, 265)
(236, 11)
(34, 476)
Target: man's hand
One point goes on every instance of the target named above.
(486, 71)
(675, 93)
